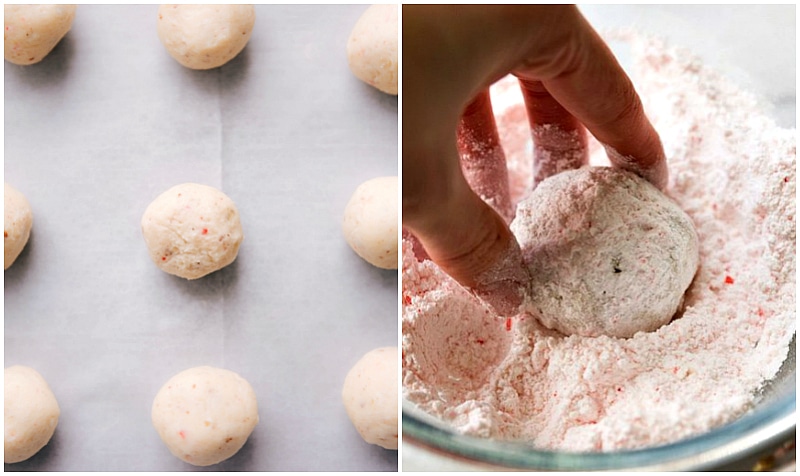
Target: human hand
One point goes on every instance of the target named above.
(570, 81)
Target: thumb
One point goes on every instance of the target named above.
(473, 244)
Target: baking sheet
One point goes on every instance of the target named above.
(106, 123)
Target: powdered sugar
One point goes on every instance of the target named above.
(733, 171)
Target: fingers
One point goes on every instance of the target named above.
(469, 241)
(452, 54)
(585, 78)
(654, 170)
(483, 162)
(473, 244)
(559, 140)
(502, 285)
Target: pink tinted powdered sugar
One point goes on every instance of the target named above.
(733, 171)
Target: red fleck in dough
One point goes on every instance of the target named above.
(372, 48)
(204, 414)
(370, 222)
(205, 36)
(170, 227)
(32, 31)
(17, 223)
(31, 413)
(370, 397)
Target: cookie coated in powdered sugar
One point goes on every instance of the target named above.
(607, 253)
(733, 172)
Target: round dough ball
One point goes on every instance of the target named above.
(32, 31)
(372, 48)
(370, 397)
(192, 230)
(204, 415)
(205, 36)
(17, 223)
(370, 222)
(607, 252)
(31, 413)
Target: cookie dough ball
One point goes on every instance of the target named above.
(370, 397)
(607, 252)
(370, 222)
(17, 223)
(205, 36)
(192, 230)
(372, 48)
(32, 31)
(31, 413)
(204, 415)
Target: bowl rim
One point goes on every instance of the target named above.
(754, 432)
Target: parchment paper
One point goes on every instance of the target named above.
(106, 123)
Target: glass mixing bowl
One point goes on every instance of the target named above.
(755, 47)
(429, 444)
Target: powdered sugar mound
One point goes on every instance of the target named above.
(451, 339)
(733, 171)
